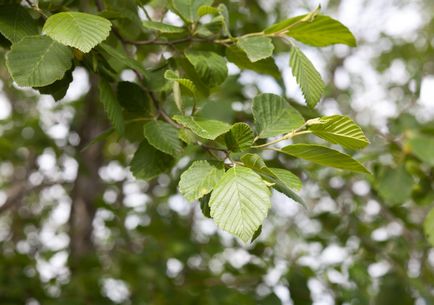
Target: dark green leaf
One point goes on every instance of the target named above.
(16, 23)
(210, 66)
(111, 106)
(149, 162)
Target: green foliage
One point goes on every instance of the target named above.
(149, 162)
(16, 23)
(78, 30)
(240, 202)
(210, 66)
(307, 76)
(256, 47)
(273, 115)
(240, 137)
(170, 93)
(324, 156)
(428, 227)
(188, 9)
(423, 147)
(163, 137)
(111, 106)
(395, 185)
(207, 129)
(339, 129)
(37, 61)
(200, 179)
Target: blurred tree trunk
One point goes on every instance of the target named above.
(88, 186)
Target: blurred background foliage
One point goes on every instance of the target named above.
(360, 241)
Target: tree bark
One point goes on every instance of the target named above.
(88, 186)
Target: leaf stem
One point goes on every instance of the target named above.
(289, 135)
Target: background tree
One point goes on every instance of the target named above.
(78, 228)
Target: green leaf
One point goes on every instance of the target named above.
(200, 178)
(240, 202)
(187, 136)
(265, 66)
(204, 205)
(422, 147)
(324, 156)
(256, 47)
(163, 137)
(273, 115)
(240, 137)
(207, 10)
(16, 23)
(79, 30)
(288, 179)
(257, 233)
(59, 88)
(339, 129)
(283, 180)
(133, 98)
(185, 82)
(226, 23)
(428, 227)
(111, 106)
(162, 27)
(188, 9)
(322, 31)
(307, 77)
(210, 66)
(37, 61)
(149, 162)
(395, 185)
(111, 53)
(285, 25)
(207, 129)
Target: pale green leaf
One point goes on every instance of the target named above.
(200, 178)
(79, 30)
(187, 136)
(207, 10)
(307, 77)
(188, 9)
(322, 31)
(256, 47)
(319, 31)
(265, 66)
(162, 27)
(428, 227)
(210, 66)
(285, 25)
(226, 23)
(324, 156)
(287, 178)
(240, 137)
(423, 147)
(163, 137)
(37, 61)
(149, 162)
(394, 185)
(240, 202)
(185, 82)
(273, 115)
(111, 106)
(16, 23)
(207, 129)
(339, 129)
